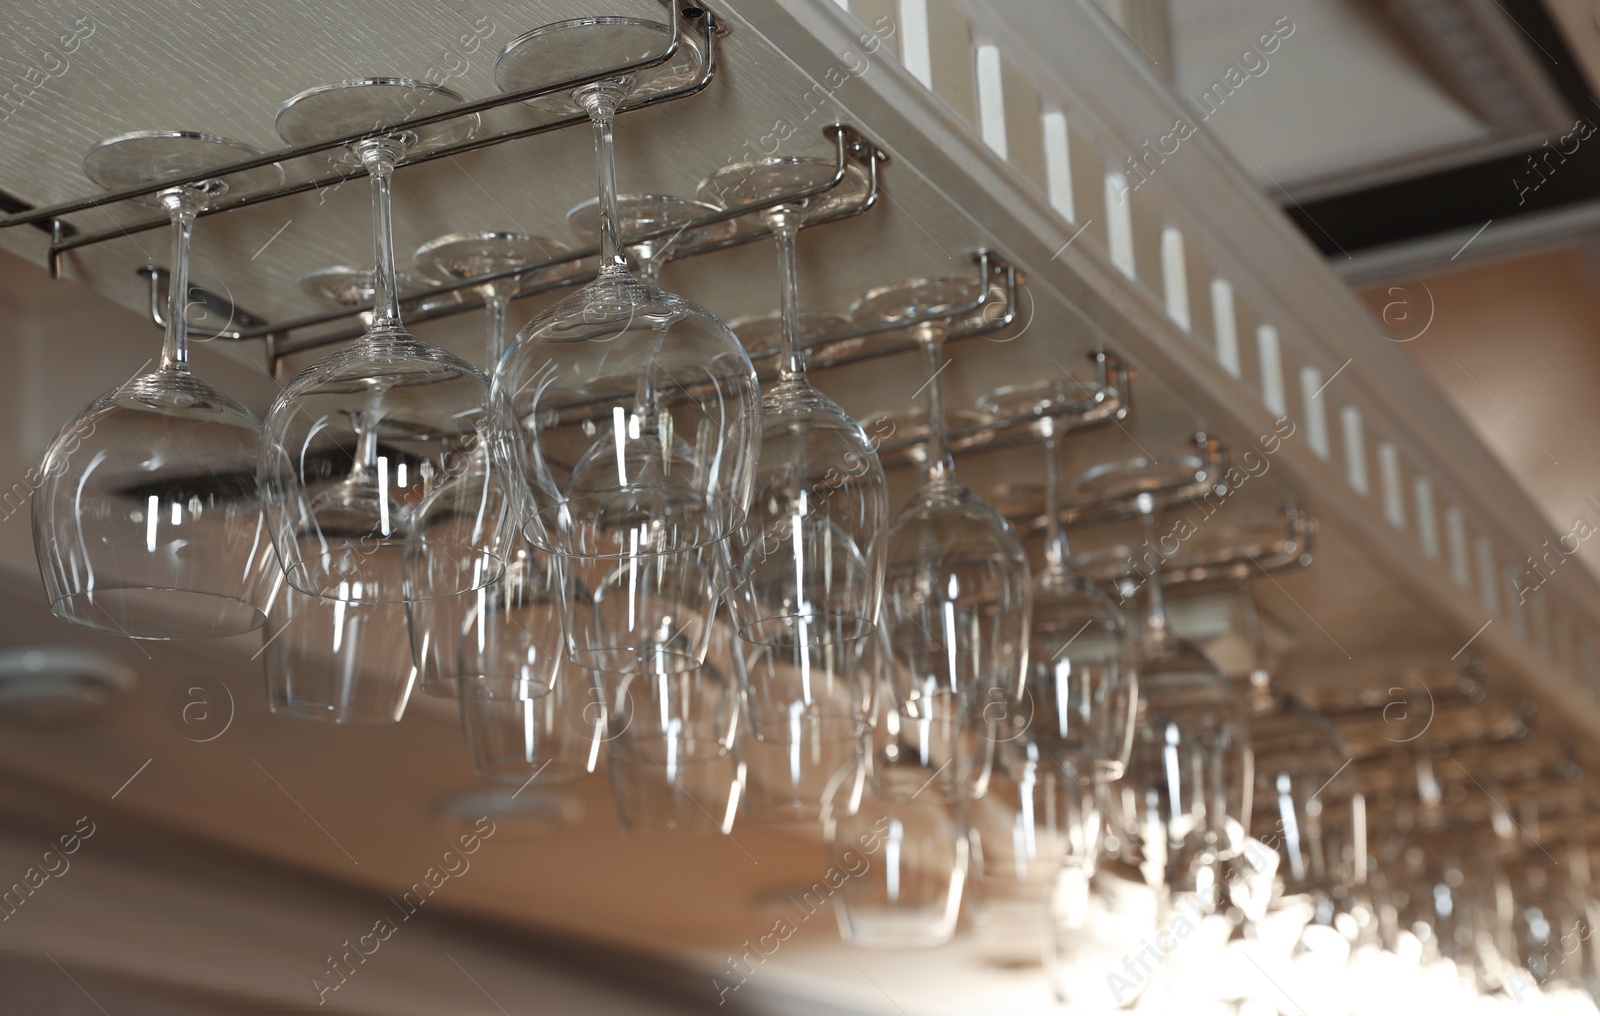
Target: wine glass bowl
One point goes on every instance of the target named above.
(335, 661)
(147, 520)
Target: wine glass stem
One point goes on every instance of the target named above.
(1055, 538)
(495, 305)
(1156, 625)
(379, 156)
(785, 226)
(601, 101)
(940, 464)
(181, 206)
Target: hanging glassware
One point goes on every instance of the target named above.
(347, 287)
(470, 507)
(957, 598)
(807, 566)
(903, 840)
(1037, 817)
(359, 439)
(1080, 681)
(631, 412)
(1306, 799)
(806, 710)
(526, 719)
(336, 661)
(147, 522)
(638, 214)
(1190, 772)
(669, 746)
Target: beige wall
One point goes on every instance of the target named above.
(1516, 346)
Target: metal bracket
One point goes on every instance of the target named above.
(850, 145)
(219, 307)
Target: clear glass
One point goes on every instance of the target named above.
(1081, 683)
(470, 508)
(147, 522)
(337, 661)
(632, 415)
(521, 731)
(527, 717)
(670, 738)
(957, 588)
(361, 438)
(344, 286)
(807, 711)
(646, 213)
(1189, 777)
(807, 565)
(762, 333)
(897, 859)
(1037, 816)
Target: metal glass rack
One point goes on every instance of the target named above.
(64, 237)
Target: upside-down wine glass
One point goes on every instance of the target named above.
(631, 413)
(1080, 681)
(1190, 768)
(147, 522)
(1036, 833)
(957, 601)
(460, 510)
(1287, 895)
(806, 568)
(357, 440)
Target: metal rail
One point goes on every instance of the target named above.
(685, 16)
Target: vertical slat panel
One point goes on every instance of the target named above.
(1225, 322)
(1024, 124)
(1058, 164)
(1488, 576)
(1455, 530)
(991, 99)
(1355, 449)
(1175, 276)
(1394, 498)
(1315, 411)
(916, 44)
(1427, 517)
(1269, 357)
(1119, 224)
(1088, 187)
(950, 49)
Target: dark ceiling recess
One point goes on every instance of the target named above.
(1468, 196)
